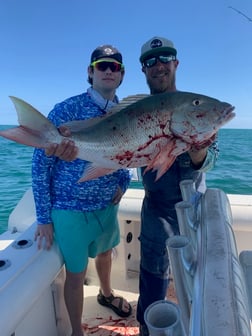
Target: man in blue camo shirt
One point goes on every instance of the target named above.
(82, 216)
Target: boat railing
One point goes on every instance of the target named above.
(210, 280)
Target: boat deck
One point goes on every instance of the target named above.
(99, 320)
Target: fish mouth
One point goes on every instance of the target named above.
(229, 114)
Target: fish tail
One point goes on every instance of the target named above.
(25, 136)
(35, 129)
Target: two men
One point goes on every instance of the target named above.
(159, 64)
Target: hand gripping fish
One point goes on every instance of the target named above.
(142, 130)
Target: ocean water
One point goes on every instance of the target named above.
(232, 173)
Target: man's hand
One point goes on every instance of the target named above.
(66, 150)
(197, 156)
(199, 153)
(44, 232)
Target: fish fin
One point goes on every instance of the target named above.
(125, 102)
(180, 147)
(163, 160)
(35, 129)
(133, 98)
(76, 126)
(93, 172)
(25, 136)
(29, 117)
(164, 167)
(166, 156)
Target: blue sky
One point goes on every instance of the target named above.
(46, 46)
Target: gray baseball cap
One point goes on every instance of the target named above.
(157, 45)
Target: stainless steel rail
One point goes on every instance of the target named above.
(213, 296)
(219, 302)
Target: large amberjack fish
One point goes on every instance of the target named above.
(142, 130)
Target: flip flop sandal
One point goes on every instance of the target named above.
(108, 302)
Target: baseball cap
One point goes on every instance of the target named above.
(157, 45)
(106, 51)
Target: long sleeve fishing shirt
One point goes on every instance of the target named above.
(54, 181)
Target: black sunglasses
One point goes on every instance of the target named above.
(150, 62)
(104, 65)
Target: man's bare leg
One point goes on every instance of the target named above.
(73, 292)
(103, 263)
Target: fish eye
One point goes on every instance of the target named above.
(196, 102)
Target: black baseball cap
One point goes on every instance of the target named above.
(106, 51)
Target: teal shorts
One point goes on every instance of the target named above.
(81, 235)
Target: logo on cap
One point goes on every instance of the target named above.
(108, 51)
(156, 43)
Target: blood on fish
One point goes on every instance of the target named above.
(150, 131)
(125, 156)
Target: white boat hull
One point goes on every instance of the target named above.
(31, 292)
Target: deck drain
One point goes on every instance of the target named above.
(4, 263)
(22, 244)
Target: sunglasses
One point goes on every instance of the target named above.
(104, 65)
(150, 62)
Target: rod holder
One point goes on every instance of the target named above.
(163, 319)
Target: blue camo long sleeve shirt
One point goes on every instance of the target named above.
(54, 181)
